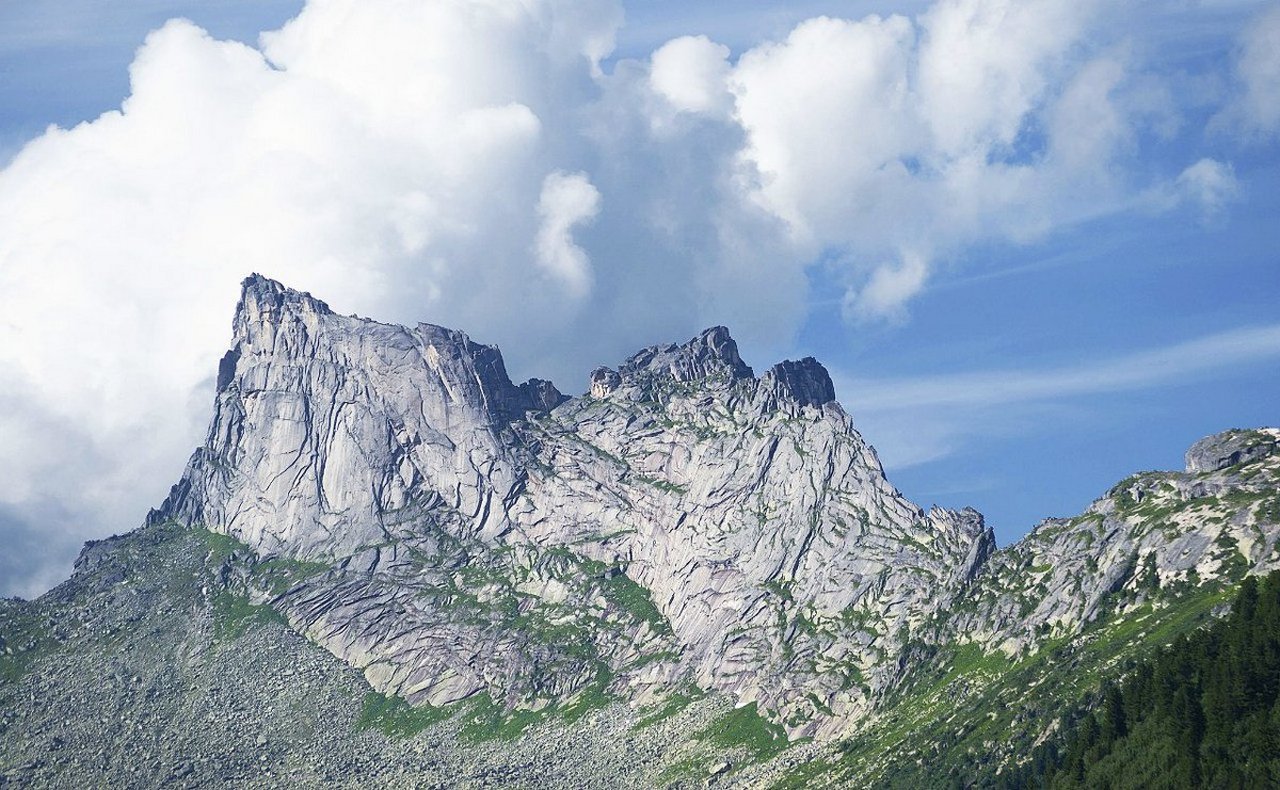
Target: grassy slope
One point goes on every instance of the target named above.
(966, 721)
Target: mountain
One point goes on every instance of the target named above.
(689, 569)
(684, 522)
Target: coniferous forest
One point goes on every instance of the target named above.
(1204, 712)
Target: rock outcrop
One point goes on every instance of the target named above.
(685, 521)
(1231, 448)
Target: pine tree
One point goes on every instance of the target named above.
(1113, 717)
(1204, 712)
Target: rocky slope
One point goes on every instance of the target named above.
(149, 668)
(684, 528)
(1153, 531)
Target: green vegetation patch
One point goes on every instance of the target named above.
(976, 710)
(233, 615)
(396, 718)
(663, 485)
(220, 547)
(1204, 712)
(636, 601)
(486, 720)
(280, 574)
(24, 638)
(746, 729)
(670, 707)
(742, 731)
(483, 719)
(593, 697)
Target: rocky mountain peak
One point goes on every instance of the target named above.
(1230, 448)
(712, 358)
(695, 524)
(542, 395)
(406, 454)
(272, 319)
(604, 381)
(804, 382)
(477, 546)
(713, 353)
(265, 302)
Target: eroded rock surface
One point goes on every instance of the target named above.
(1153, 533)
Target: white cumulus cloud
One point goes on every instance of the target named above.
(691, 73)
(985, 65)
(900, 141)
(387, 155)
(567, 200)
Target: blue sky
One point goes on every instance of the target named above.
(1036, 258)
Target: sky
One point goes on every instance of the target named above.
(1034, 241)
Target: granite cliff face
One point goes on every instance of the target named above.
(454, 535)
(1152, 533)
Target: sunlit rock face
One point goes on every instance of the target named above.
(682, 522)
(1151, 534)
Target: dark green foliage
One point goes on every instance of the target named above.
(233, 614)
(636, 600)
(745, 728)
(397, 718)
(1203, 713)
(974, 714)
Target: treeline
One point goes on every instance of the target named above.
(1205, 712)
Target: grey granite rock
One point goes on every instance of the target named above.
(805, 382)
(1151, 533)
(712, 353)
(464, 518)
(1230, 448)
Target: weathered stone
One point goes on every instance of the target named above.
(603, 382)
(805, 382)
(1230, 448)
(710, 354)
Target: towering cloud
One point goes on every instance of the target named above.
(567, 199)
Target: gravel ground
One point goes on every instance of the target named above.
(129, 675)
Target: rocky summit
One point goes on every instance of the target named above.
(684, 522)
(701, 573)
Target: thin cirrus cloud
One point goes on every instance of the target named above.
(484, 165)
(1153, 367)
(918, 420)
